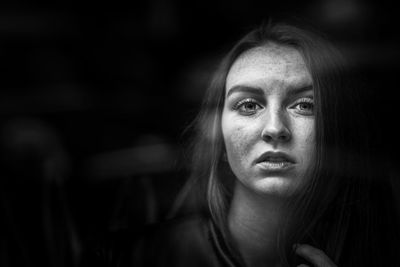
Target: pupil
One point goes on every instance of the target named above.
(250, 105)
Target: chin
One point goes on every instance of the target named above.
(275, 186)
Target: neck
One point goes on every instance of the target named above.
(254, 221)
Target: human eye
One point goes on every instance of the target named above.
(304, 106)
(247, 106)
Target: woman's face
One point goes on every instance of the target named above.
(268, 119)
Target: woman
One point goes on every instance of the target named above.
(282, 159)
(282, 155)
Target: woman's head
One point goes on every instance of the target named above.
(314, 63)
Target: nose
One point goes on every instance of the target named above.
(275, 128)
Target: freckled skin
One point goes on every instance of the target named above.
(276, 70)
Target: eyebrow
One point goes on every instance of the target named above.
(259, 91)
(245, 89)
(297, 91)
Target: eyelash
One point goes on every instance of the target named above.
(243, 102)
(305, 101)
(300, 101)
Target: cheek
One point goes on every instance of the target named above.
(305, 133)
(306, 142)
(235, 142)
(309, 139)
(238, 140)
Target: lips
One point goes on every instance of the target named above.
(275, 157)
(273, 162)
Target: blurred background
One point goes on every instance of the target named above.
(95, 99)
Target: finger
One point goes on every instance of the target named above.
(303, 265)
(314, 255)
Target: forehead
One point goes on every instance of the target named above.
(267, 66)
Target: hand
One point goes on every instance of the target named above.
(313, 255)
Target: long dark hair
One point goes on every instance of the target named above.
(338, 210)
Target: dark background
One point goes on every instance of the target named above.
(95, 98)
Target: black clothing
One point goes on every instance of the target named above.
(181, 242)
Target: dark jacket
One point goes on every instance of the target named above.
(193, 241)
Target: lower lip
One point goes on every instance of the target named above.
(275, 166)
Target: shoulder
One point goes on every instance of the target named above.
(178, 242)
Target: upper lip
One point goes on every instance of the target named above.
(275, 155)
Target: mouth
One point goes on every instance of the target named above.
(275, 161)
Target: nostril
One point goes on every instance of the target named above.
(267, 138)
(283, 137)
